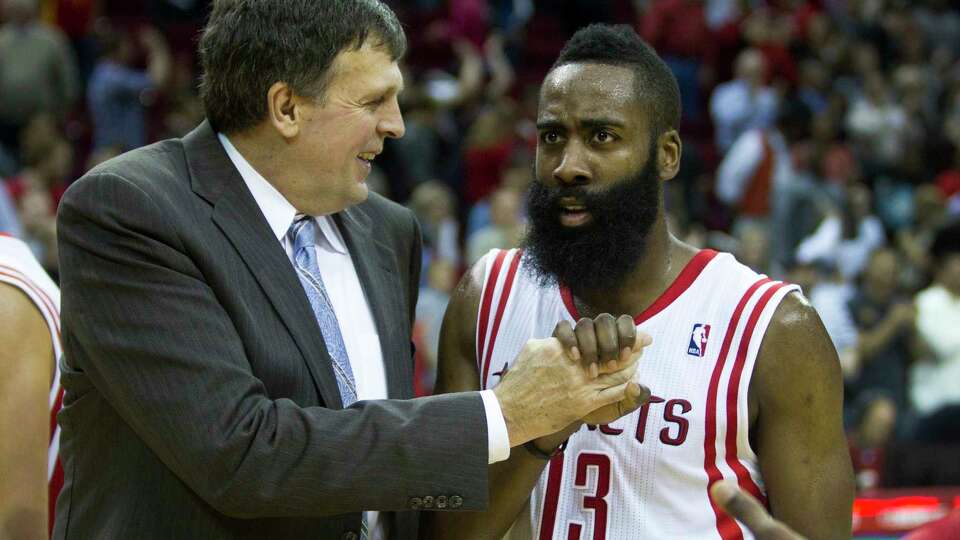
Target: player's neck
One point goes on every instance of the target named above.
(659, 266)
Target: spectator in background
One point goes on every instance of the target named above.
(9, 219)
(489, 147)
(873, 427)
(847, 236)
(886, 322)
(916, 238)
(877, 124)
(678, 30)
(744, 103)
(435, 207)
(759, 180)
(506, 225)
(753, 243)
(431, 305)
(38, 72)
(935, 384)
(118, 93)
(37, 191)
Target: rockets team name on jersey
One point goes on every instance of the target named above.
(19, 268)
(645, 475)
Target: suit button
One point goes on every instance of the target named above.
(456, 501)
(428, 502)
(442, 502)
(349, 535)
(416, 503)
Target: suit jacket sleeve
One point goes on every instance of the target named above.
(165, 354)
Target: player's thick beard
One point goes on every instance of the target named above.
(599, 255)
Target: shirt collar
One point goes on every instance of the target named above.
(275, 207)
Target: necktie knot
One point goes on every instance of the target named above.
(303, 233)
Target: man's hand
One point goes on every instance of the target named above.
(604, 345)
(547, 390)
(748, 511)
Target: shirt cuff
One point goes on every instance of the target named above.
(498, 440)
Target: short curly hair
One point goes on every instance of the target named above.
(248, 45)
(619, 45)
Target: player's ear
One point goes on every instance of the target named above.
(669, 149)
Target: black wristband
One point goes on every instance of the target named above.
(536, 452)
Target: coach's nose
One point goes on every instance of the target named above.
(391, 123)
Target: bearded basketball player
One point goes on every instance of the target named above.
(745, 383)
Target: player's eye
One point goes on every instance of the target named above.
(550, 137)
(603, 136)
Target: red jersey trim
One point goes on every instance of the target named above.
(686, 278)
(548, 518)
(726, 526)
(744, 479)
(490, 285)
(501, 307)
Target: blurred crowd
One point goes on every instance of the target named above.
(821, 144)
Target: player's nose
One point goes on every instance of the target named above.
(573, 168)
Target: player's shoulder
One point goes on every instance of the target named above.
(796, 343)
(21, 319)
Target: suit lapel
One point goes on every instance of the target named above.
(378, 273)
(236, 214)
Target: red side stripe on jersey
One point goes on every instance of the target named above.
(53, 411)
(8, 235)
(551, 498)
(683, 282)
(733, 388)
(504, 296)
(485, 307)
(56, 484)
(726, 526)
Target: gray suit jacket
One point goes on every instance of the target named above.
(200, 400)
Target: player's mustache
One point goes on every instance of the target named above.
(558, 196)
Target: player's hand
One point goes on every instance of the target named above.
(602, 345)
(747, 510)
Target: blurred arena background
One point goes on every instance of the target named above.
(848, 111)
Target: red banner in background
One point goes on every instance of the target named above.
(897, 511)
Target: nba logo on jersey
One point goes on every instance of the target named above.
(698, 340)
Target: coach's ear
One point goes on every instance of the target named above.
(285, 109)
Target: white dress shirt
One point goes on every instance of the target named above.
(357, 327)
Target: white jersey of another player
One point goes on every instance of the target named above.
(647, 474)
(19, 268)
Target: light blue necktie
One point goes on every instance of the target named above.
(303, 234)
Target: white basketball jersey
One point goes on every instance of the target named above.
(647, 474)
(19, 268)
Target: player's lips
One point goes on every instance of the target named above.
(573, 213)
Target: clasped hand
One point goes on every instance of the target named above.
(582, 374)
